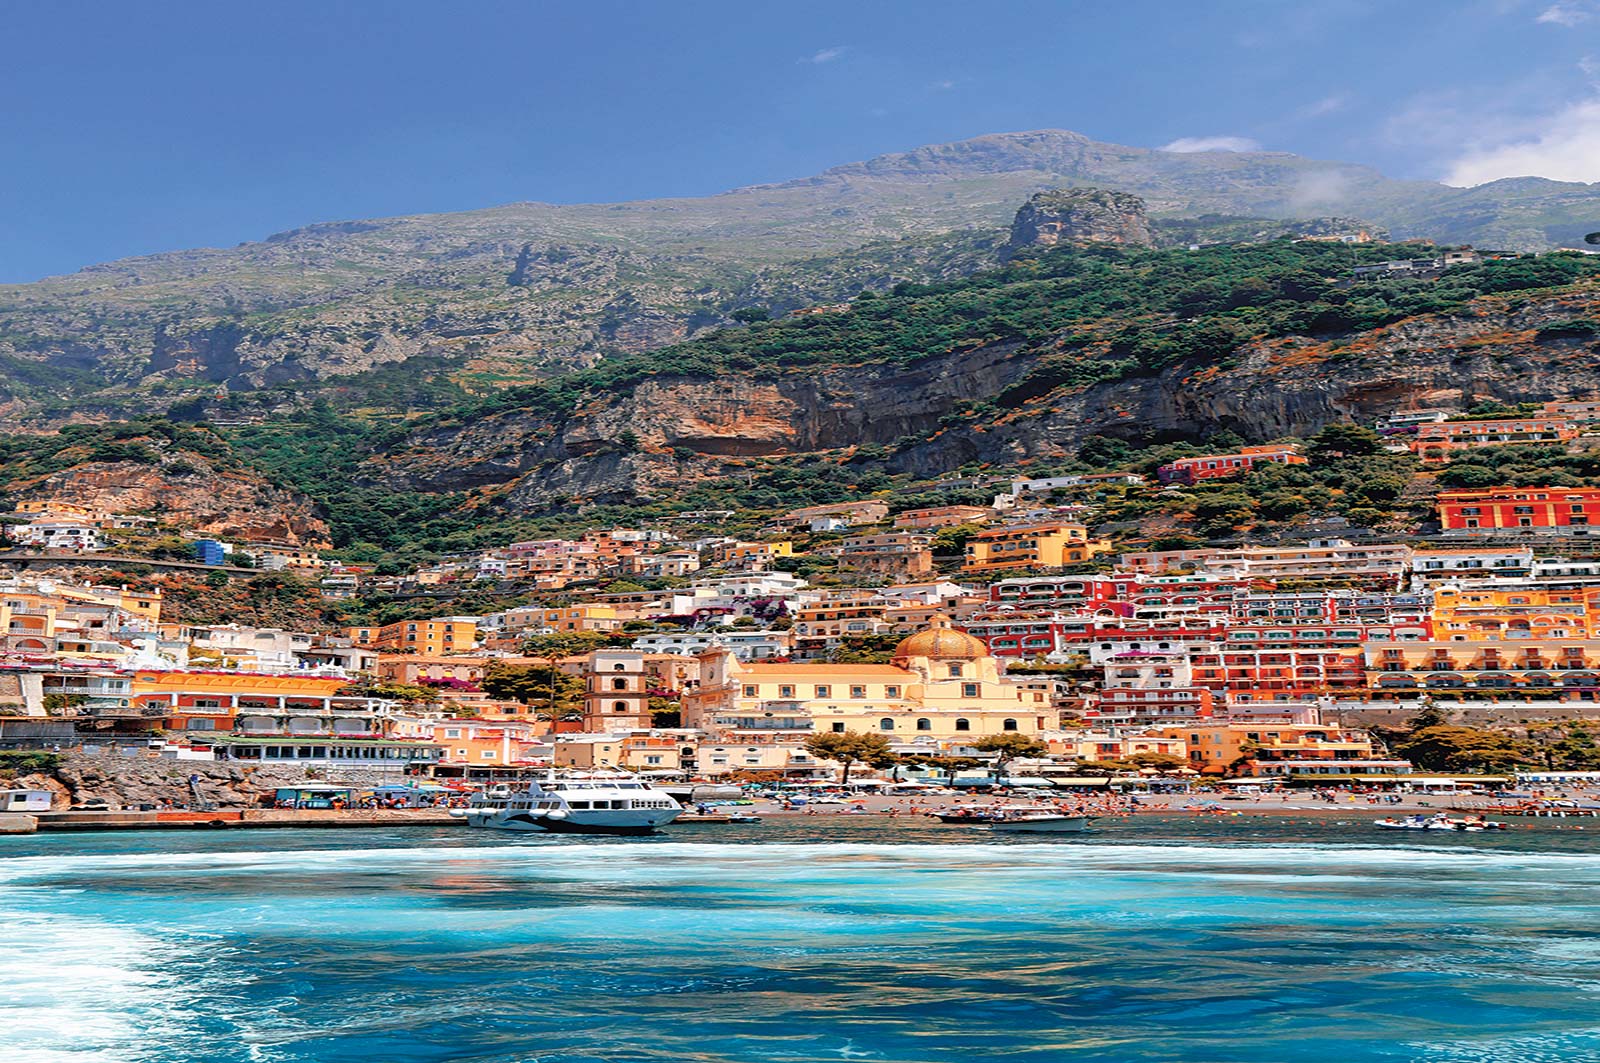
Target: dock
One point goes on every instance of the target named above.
(244, 819)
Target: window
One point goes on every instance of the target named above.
(858, 692)
(969, 690)
(749, 690)
(1008, 725)
(619, 706)
(838, 728)
(924, 724)
(955, 670)
(824, 691)
(619, 684)
(886, 724)
(963, 724)
(891, 692)
(786, 692)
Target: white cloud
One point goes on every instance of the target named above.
(943, 85)
(1323, 107)
(1567, 13)
(827, 55)
(1564, 146)
(1188, 145)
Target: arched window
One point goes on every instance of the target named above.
(924, 724)
(619, 668)
(619, 684)
(619, 706)
(963, 724)
(886, 724)
(1008, 725)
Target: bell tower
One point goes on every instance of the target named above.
(618, 692)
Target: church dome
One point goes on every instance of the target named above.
(942, 642)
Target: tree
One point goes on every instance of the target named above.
(1159, 761)
(953, 540)
(1008, 746)
(56, 703)
(850, 747)
(864, 649)
(664, 712)
(1576, 750)
(564, 644)
(1343, 441)
(1105, 452)
(1429, 715)
(947, 764)
(406, 692)
(1446, 748)
(562, 694)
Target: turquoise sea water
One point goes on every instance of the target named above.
(1151, 940)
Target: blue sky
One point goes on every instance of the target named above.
(128, 128)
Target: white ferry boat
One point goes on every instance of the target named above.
(588, 805)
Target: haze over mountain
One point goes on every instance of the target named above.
(510, 293)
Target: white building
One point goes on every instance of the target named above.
(746, 645)
(59, 535)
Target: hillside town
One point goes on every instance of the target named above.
(657, 650)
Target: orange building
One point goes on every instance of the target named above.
(215, 701)
(439, 637)
(943, 516)
(1437, 441)
(1031, 546)
(1531, 611)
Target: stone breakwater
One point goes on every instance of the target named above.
(123, 783)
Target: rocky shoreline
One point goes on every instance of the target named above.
(116, 782)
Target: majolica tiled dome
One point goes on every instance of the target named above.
(942, 642)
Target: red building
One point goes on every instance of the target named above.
(1491, 509)
(1216, 466)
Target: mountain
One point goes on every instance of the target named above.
(1059, 353)
(415, 312)
(1022, 364)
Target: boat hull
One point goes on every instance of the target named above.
(623, 822)
(1043, 825)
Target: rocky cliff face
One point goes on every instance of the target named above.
(688, 429)
(189, 491)
(1077, 216)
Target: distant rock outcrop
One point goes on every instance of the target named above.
(1080, 216)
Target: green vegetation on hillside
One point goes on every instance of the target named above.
(1150, 309)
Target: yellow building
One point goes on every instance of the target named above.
(440, 637)
(940, 686)
(145, 605)
(579, 618)
(1533, 611)
(1566, 668)
(588, 751)
(1031, 546)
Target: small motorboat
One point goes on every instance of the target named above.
(1437, 822)
(717, 817)
(966, 815)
